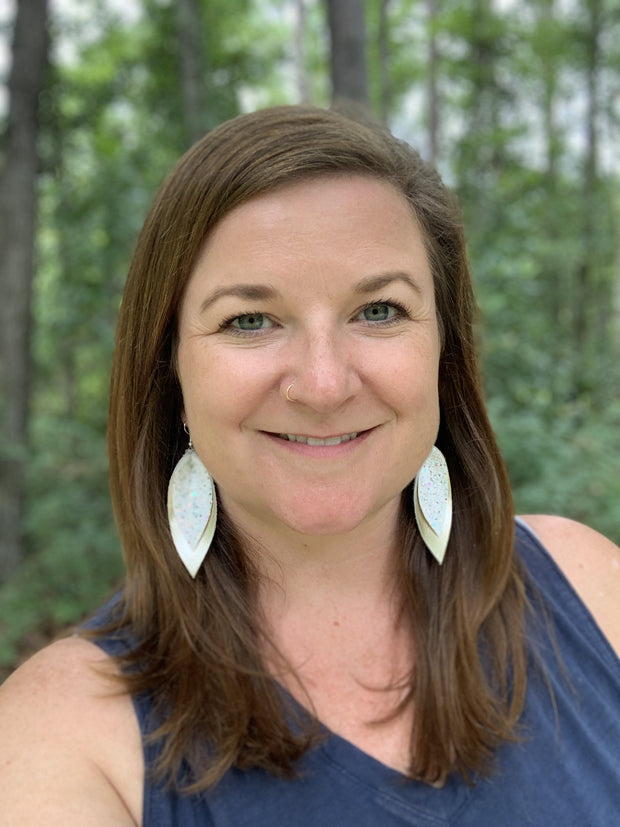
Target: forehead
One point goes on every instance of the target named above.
(326, 216)
(310, 189)
(312, 242)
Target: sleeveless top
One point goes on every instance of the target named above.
(564, 771)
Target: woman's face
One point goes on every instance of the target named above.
(323, 285)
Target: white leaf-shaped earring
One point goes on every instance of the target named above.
(192, 509)
(432, 497)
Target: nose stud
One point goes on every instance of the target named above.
(287, 393)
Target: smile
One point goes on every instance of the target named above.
(316, 441)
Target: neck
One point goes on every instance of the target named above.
(333, 615)
(294, 568)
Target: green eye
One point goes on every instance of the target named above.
(378, 313)
(251, 321)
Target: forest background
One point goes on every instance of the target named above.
(516, 102)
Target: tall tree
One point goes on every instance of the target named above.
(383, 44)
(192, 66)
(548, 53)
(432, 82)
(483, 148)
(18, 179)
(347, 29)
(590, 294)
(301, 76)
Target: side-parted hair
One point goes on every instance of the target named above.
(198, 643)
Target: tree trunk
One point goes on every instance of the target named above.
(432, 83)
(301, 75)
(347, 28)
(385, 81)
(480, 151)
(553, 275)
(18, 177)
(192, 67)
(586, 276)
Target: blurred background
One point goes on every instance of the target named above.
(517, 102)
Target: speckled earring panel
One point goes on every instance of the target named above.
(192, 510)
(432, 496)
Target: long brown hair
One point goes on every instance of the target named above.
(198, 643)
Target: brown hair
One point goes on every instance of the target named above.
(198, 643)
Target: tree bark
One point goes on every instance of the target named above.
(432, 83)
(192, 67)
(481, 153)
(553, 275)
(347, 29)
(301, 75)
(586, 277)
(18, 198)
(385, 82)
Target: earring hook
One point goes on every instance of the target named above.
(186, 429)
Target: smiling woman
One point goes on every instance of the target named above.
(316, 312)
(329, 614)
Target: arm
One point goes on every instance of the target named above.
(590, 562)
(70, 751)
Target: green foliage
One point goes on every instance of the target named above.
(568, 466)
(541, 219)
(75, 560)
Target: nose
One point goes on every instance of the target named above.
(324, 373)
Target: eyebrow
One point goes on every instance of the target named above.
(373, 283)
(264, 292)
(251, 292)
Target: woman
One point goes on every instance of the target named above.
(298, 641)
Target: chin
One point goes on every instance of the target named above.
(326, 522)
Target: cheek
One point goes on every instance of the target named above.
(414, 382)
(200, 387)
(217, 388)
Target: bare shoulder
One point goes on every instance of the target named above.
(70, 751)
(590, 562)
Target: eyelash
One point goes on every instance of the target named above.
(227, 324)
(402, 312)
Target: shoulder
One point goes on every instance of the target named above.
(70, 751)
(590, 562)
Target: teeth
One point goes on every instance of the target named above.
(315, 441)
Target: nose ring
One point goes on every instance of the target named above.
(287, 393)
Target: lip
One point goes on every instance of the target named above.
(317, 441)
(326, 447)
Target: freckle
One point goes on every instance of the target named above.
(336, 623)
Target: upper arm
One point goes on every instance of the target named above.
(590, 562)
(70, 749)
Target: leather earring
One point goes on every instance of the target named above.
(432, 499)
(192, 509)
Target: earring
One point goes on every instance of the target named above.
(432, 499)
(192, 509)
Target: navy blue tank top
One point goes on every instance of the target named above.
(564, 772)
